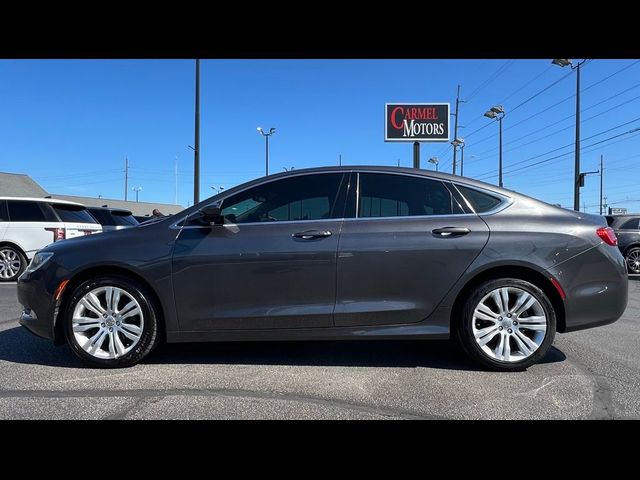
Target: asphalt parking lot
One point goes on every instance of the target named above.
(588, 374)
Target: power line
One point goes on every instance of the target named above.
(565, 146)
(491, 78)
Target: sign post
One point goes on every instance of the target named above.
(416, 122)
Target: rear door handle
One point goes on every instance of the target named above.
(450, 231)
(311, 234)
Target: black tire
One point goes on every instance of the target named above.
(23, 262)
(149, 338)
(465, 325)
(631, 257)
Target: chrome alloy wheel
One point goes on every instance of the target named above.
(10, 263)
(633, 260)
(107, 322)
(509, 324)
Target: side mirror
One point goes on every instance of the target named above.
(212, 214)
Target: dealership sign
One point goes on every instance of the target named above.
(416, 122)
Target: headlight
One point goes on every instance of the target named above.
(38, 260)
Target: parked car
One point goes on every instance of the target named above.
(627, 228)
(335, 253)
(113, 218)
(29, 224)
(142, 218)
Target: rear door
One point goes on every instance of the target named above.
(76, 219)
(627, 232)
(408, 243)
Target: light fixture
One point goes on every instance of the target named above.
(562, 62)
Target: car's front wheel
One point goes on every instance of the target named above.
(507, 324)
(111, 321)
(12, 263)
(633, 260)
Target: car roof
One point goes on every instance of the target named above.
(46, 200)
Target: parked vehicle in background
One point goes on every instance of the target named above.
(113, 218)
(335, 253)
(627, 228)
(29, 224)
(142, 218)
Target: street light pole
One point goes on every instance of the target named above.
(500, 157)
(564, 62)
(137, 190)
(462, 160)
(435, 161)
(196, 144)
(266, 146)
(498, 114)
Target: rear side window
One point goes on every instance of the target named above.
(25, 211)
(4, 214)
(610, 220)
(73, 214)
(383, 195)
(480, 201)
(630, 224)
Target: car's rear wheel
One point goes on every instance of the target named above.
(633, 260)
(111, 321)
(12, 263)
(507, 324)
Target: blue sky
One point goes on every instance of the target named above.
(71, 123)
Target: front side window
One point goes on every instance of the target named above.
(384, 195)
(308, 197)
(25, 211)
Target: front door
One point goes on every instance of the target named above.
(272, 264)
(409, 244)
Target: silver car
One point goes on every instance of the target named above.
(335, 253)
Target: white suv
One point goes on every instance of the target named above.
(28, 224)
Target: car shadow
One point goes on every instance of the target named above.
(19, 346)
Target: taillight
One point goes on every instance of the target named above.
(608, 236)
(58, 233)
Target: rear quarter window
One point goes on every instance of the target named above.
(480, 201)
(630, 224)
(73, 214)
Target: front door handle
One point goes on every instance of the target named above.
(311, 234)
(450, 231)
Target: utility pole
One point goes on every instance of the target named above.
(601, 174)
(576, 188)
(196, 150)
(455, 130)
(126, 178)
(340, 159)
(584, 206)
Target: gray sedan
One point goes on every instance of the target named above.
(334, 253)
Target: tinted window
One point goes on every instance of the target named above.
(630, 224)
(384, 195)
(72, 213)
(610, 220)
(113, 218)
(4, 214)
(25, 211)
(310, 197)
(480, 201)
